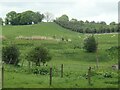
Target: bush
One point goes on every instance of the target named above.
(10, 54)
(39, 55)
(107, 75)
(90, 44)
(40, 70)
(113, 52)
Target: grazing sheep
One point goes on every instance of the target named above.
(79, 36)
(69, 40)
(113, 36)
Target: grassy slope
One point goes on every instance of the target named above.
(43, 29)
(74, 60)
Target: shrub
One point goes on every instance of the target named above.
(107, 75)
(39, 54)
(40, 70)
(113, 52)
(90, 44)
(10, 54)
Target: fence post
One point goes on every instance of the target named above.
(2, 75)
(89, 76)
(61, 70)
(97, 59)
(51, 76)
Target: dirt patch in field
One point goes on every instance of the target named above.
(36, 38)
(2, 37)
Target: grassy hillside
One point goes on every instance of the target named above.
(76, 61)
(43, 29)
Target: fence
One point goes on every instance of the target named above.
(62, 70)
(84, 68)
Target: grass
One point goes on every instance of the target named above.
(76, 61)
(76, 80)
(49, 29)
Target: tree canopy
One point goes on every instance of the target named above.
(39, 55)
(63, 18)
(24, 18)
(10, 54)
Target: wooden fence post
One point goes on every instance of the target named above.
(97, 59)
(61, 70)
(89, 76)
(50, 76)
(2, 76)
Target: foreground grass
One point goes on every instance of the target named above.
(74, 77)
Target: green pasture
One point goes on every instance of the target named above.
(69, 53)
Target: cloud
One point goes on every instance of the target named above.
(98, 10)
(103, 10)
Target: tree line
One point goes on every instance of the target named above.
(86, 27)
(25, 18)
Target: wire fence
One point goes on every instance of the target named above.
(71, 70)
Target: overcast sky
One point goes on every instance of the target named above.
(97, 10)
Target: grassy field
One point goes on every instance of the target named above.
(76, 61)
